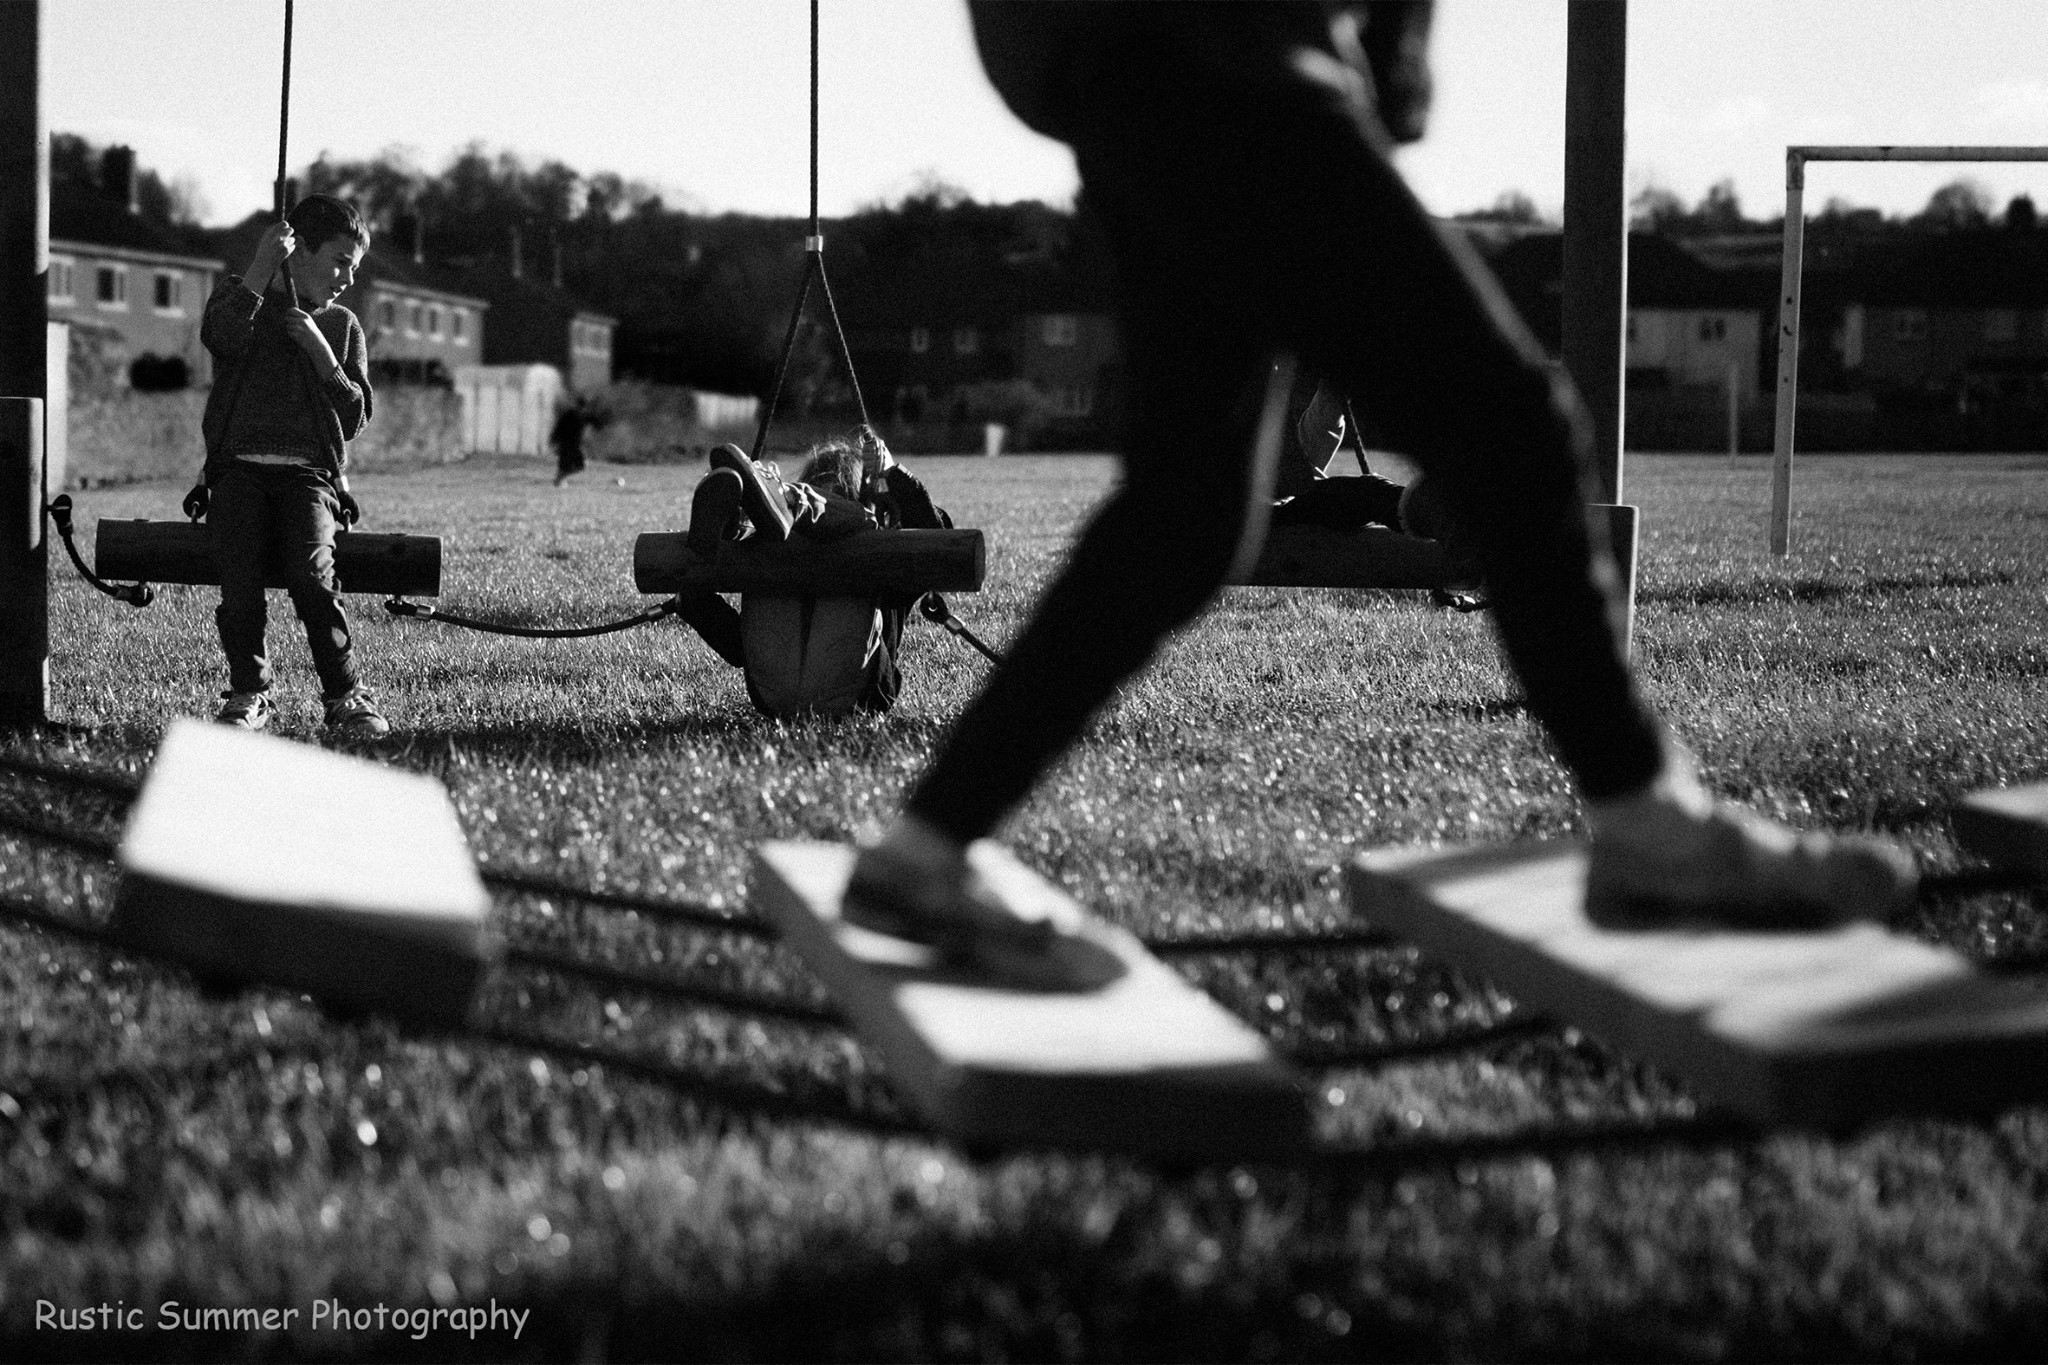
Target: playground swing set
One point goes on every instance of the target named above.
(376, 906)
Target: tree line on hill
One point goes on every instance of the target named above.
(704, 299)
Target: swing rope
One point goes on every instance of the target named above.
(422, 611)
(814, 269)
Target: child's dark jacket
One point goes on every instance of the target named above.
(270, 398)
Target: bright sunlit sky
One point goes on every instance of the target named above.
(707, 99)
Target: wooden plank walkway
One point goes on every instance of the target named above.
(255, 860)
(1146, 1064)
(1823, 1029)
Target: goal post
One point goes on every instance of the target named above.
(1788, 293)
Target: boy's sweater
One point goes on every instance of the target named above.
(266, 399)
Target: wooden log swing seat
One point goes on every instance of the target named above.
(182, 552)
(908, 561)
(1369, 557)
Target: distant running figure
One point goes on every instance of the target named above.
(567, 439)
(1236, 156)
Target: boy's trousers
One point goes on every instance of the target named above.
(291, 510)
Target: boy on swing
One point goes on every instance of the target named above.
(809, 655)
(290, 392)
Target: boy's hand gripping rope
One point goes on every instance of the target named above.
(134, 594)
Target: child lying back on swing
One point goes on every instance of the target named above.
(808, 654)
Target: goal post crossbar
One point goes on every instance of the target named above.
(1788, 292)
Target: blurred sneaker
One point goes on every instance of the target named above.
(762, 495)
(355, 716)
(246, 710)
(714, 510)
(1671, 856)
(917, 884)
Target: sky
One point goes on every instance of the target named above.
(708, 99)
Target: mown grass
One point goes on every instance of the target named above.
(1526, 1193)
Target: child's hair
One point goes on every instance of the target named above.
(835, 465)
(318, 217)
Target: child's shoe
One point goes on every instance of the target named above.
(1671, 856)
(246, 710)
(355, 716)
(713, 509)
(916, 884)
(762, 492)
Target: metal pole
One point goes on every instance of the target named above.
(1788, 351)
(1734, 412)
(1596, 223)
(24, 368)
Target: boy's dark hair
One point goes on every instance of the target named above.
(318, 217)
(835, 465)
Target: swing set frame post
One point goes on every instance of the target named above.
(24, 370)
(1596, 257)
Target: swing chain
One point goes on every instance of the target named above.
(934, 609)
(422, 611)
(134, 594)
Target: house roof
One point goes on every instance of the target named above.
(90, 220)
(494, 280)
(381, 265)
(1991, 268)
(1661, 274)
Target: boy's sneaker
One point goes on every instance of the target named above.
(917, 884)
(1671, 856)
(246, 710)
(761, 492)
(355, 716)
(714, 507)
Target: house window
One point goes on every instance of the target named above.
(412, 318)
(966, 341)
(920, 339)
(1059, 329)
(111, 286)
(434, 321)
(1713, 329)
(2002, 324)
(458, 323)
(1075, 402)
(60, 279)
(1910, 324)
(387, 315)
(168, 293)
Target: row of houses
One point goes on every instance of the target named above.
(126, 285)
(1952, 323)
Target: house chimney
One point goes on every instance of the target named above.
(517, 268)
(117, 176)
(419, 239)
(555, 246)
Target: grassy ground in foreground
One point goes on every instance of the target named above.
(158, 1146)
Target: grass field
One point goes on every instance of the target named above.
(725, 1181)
